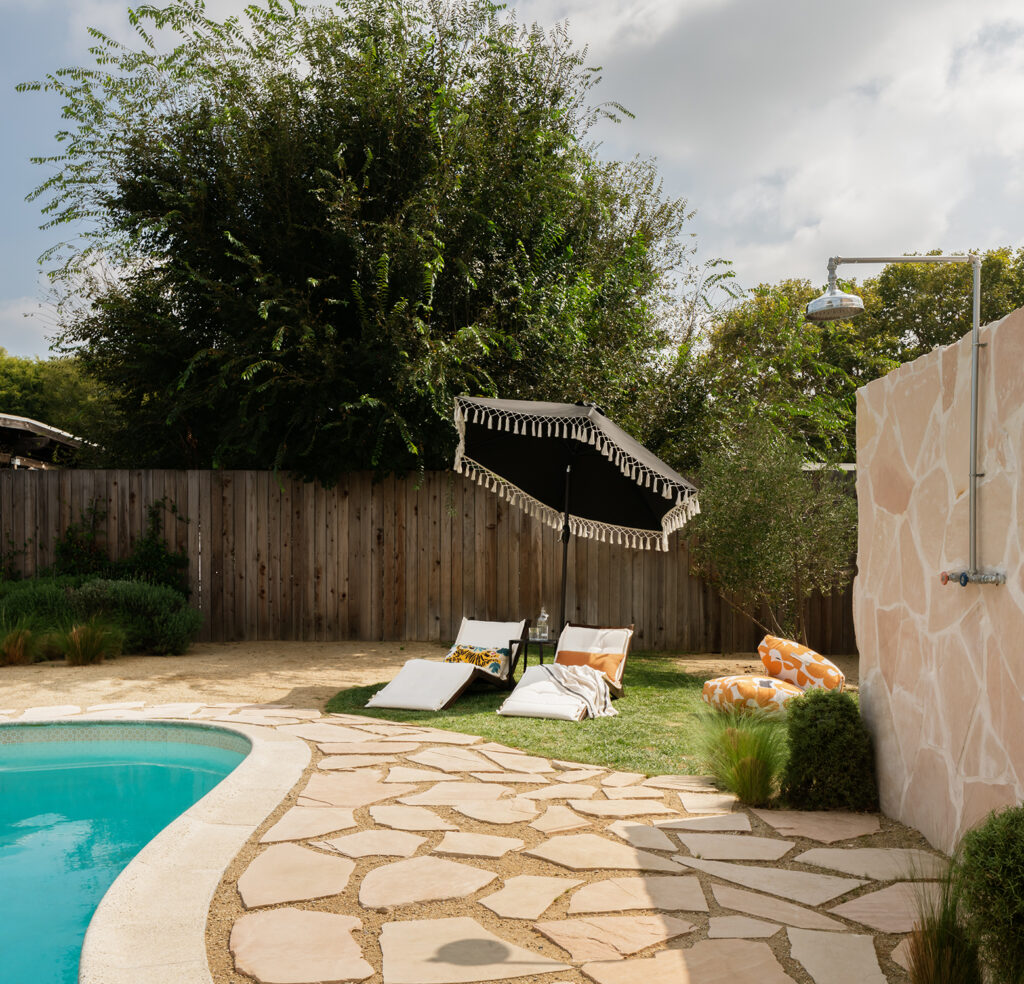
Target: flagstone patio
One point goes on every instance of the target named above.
(455, 861)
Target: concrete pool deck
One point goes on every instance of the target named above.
(404, 855)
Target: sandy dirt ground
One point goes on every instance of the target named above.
(293, 674)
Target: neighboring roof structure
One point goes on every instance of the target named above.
(27, 443)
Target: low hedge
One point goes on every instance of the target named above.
(154, 618)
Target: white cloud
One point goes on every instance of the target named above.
(25, 324)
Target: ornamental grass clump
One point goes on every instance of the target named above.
(942, 950)
(745, 754)
(991, 873)
(90, 642)
(831, 762)
(18, 643)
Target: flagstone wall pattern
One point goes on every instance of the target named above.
(942, 667)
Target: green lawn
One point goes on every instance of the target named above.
(655, 731)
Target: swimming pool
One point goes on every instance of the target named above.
(77, 803)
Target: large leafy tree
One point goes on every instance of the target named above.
(324, 223)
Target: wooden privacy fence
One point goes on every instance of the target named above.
(400, 558)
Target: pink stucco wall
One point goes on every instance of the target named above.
(942, 667)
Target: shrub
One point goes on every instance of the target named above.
(18, 643)
(44, 601)
(151, 559)
(155, 618)
(745, 754)
(991, 870)
(90, 642)
(942, 950)
(831, 761)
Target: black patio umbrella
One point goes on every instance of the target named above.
(570, 466)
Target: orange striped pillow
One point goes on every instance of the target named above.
(610, 664)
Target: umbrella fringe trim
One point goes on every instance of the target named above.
(584, 432)
(628, 536)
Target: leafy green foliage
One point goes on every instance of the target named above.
(831, 761)
(90, 642)
(745, 753)
(656, 730)
(153, 618)
(326, 222)
(991, 869)
(770, 532)
(942, 949)
(80, 552)
(57, 392)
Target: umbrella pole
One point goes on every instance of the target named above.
(565, 549)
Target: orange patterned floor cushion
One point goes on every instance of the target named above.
(749, 693)
(797, 664)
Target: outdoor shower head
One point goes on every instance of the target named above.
(834, 305)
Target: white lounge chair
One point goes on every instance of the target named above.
(427, 685)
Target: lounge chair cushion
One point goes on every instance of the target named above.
(788, 660)
(491, 660)
(603, 649)
(424, 685)
(489, 635)
(760, 695)
(564, 693)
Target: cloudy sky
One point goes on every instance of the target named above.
(797, 129)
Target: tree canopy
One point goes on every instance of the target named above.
(302, 232)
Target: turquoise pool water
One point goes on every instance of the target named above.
(73, 812)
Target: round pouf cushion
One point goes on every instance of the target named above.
(762, 695)
(788, 660)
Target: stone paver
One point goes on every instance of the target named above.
(622, 778)
(836, 958)
(454, 951)
(878, 863)
(42, 713)
(454, 793)
(477, 845)
(889, 910)
(826, 826)
(740, 928)
(707, 962)
(527, 896)
(402, 773)
(797, 885)
(589, 852)
(520, 762)
(632, 792)
(524, 777)
(376, 843)
(684, 784)
(454, 760)
(343, 762)
(707, 802)
(561, 790)
(494, 746)
(303, 822)
(721, 821)
(558, 819)
(290, 873)
(502, 811)
(669, 892)
(359, 788)
(756, 904)
(422, 879)
(620, 808)
(578, 775)
(321, 731)
(292, 946)
(409, 818)
(437, 736)
(611, 937)
(733, 847)
(368, 747)
(901, 954)
(640, 835)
